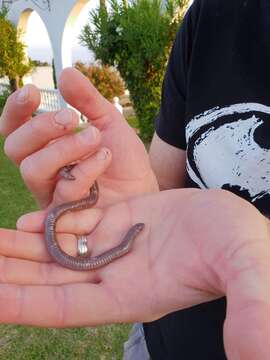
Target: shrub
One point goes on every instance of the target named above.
(136, 37)
(105, 78)
(13, 63)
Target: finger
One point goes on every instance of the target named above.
(85, 173)
(83, 96)
(30, 246)
(26, 272)
(247, 325)
(77, 222)
(19, 108)
(108, 234)
(23, 245)
(24, 260)
(38, 132)
(62, 306)
(40, 169)
(240, 260)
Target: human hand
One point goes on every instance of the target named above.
(27, 140)
(197, 246)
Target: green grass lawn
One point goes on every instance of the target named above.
(26, 343)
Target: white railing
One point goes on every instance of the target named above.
(3, 88)
(50, 100)
(4, 85)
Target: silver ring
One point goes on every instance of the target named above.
(82, 249)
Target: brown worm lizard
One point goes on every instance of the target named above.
(86, 262)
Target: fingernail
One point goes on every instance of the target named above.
(102, 154)
(63, 117)
(88, 135)
(23, 95)
(20, 222)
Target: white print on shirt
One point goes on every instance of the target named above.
(230, 148)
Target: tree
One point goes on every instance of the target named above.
(136, 37)
(13, 63)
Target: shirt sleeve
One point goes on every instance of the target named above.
(170, 122)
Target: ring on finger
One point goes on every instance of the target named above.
(82, 249)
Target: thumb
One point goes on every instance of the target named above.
(247, 324)
(83, 96)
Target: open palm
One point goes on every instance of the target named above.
(196, 246)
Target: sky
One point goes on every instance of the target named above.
(38, 44)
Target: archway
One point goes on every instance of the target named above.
(68, 33)
(59, 21)
(79, 52)
(39, 49)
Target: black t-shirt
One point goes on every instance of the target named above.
(216, 106)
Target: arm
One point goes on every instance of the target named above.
(167, 151)
(168, 164)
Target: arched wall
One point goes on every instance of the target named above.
(68, 32)
(58, 17)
